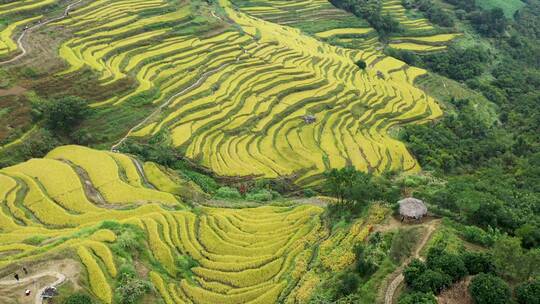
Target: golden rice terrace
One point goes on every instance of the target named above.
(246, 88)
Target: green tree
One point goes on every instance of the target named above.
(348, 283)
(508, 256)
(477, 262)
(530, 235)
(340, 181)
(403, 243)
(413, 270)
(489, 289)
(417, 298)
(431, 281)
(448, 263)
(78, 298)
(61, 115)
(131, 288)
(361, 64)
(528, 292)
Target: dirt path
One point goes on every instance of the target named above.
(28, 30)
(393, 286)
(60, 278)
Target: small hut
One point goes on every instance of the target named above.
(412, 208)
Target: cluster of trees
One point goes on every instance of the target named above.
(59, 119)
(371, 10)
(433, 11)
(441, 269)
(457, 63)
(491, 167)
(60, 115)
(490, 23)
(354, 189)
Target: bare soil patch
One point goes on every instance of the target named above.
(14, 293)
(16, 90)
(456, 294)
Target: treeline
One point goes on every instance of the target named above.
(490, 23)
(433, 11)
(371, 11)
(490, 271)
(492, 169)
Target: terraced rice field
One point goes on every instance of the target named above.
(254, 255)
(235, 100)
(8, 8)
(15, 16)
(395, 9)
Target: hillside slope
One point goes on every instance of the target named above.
(90, 204)
(240, 83)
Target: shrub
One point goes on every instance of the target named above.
(129, 241)
(431, 281)
(262, 195)
(450, 264)
(78, 298)
(361, 64)
(417, 298)
(529, 235)
(364, 265)
(184, 263)
(130, 288)
(308, 192)
(228, 193)
(529, 292)
(479, 236)
(413, 271)
(207, 184)
(489, 289)
(348, 283)
(62, 114)
(477, 262)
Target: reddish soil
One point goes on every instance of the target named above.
(17, 91)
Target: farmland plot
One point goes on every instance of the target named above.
(236, 100)
(252, 255)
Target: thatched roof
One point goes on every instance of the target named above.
(412, 207)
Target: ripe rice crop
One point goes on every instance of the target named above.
(98, 282)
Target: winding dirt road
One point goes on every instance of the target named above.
(392, 287)
(60, 278)
(28, 30)
(197, 83)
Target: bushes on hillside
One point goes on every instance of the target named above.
(440, 260)
(478, 262)
(228, 193)
(61, 115)
(491, 23)
(131, 288)
(489, 289)
(528, 292)
(442, 268)
(78, 298)
(417, 298)
(434, 12)
(371, 10)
